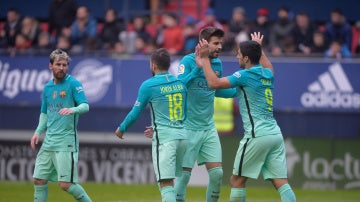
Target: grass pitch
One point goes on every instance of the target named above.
(23, 191)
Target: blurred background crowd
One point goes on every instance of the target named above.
(72, 26)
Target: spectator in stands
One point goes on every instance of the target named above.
(237, 29)
(190, 36)
(262, 24)
(12, 27)
(170, 36)
(303, 33)
(83, 30)
(44, 45)
(63, 43)
(355, 44)
(136, 29)
(30, 29)
(319, 45)
(119, 50)
(281, 32)
(111, 29)
(208, 21)
(338, 50)
(338, 28)
(62, 14)
(21, 46)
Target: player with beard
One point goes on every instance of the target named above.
(203, 143)
(262, 149)
(63, 100)
(166, 96)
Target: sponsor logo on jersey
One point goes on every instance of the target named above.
(332, 89)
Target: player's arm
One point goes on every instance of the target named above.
(186, 72)
(40, 129)
(226, 93)
(264, 60)
(79, 98)
(140, 104)
(203, 61)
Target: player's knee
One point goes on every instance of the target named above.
(216, 174)
(64, 185)
(39, 181)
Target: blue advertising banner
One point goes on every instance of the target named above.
(299, 85)
(326, 85)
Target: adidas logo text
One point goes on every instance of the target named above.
(333, 90)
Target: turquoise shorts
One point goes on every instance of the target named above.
(56, 166)
(168, 158)
(265, 154)
(203, 146)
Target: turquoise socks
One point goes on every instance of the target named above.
(168, 194)
(78, 193)
(41, 193)
(286, 193)
(180, 186)
(214, 186)
(238, 195)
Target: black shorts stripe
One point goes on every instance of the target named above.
(157, 141)
(249, 113)
(72, 167)
(242, 157)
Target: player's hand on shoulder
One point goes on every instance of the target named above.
(34, 141)
(119, 134)
(257, 36)
(148, 132)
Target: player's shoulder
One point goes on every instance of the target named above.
(72, 80)
(188, 57)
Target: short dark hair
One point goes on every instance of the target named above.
(208, 32)
(161, 58)
(252, 49)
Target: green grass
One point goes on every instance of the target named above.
(23, 191)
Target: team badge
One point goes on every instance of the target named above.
(54, 94)
(181, 69)
(62, 94)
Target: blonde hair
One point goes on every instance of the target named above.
(59, 54)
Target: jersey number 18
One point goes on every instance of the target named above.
(175, 106)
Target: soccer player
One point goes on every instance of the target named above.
(63, 100)
(167, 98)
(204, 143)
(262, 148)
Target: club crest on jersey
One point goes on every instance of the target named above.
(62, 94)
(181, 69)
(54, 94)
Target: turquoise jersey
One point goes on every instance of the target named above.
(200, 96)
(255, 94)
(61, 131)
(167, 98)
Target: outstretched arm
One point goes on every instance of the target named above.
(264, 60)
